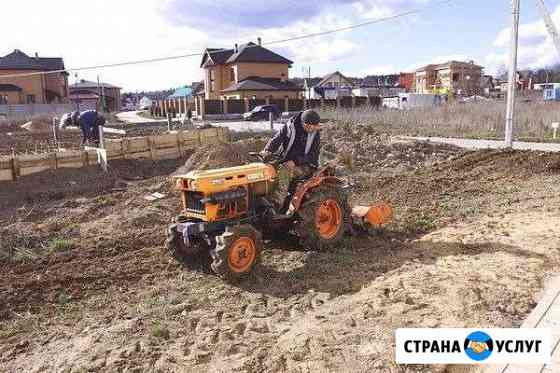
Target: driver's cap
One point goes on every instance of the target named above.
(310, 117)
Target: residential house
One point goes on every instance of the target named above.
(331, 86)
(89, 95)
(406, 81)
(380, 91)
(453, 77)
(379, 85)
(246, 71)
(183, 92)
(198, 89)
(28, 88)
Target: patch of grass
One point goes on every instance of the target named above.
(160, 331)
(424, 223)
(60, 245)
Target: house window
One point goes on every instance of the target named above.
(455, 77)
(3, 100)
(30, 99)
(232, 74)
(212, 83)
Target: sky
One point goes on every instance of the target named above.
(89, 33)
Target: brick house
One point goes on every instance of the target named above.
(246, 71)
(330, 87)
(88, 95)
(455, 77)
(32, 89)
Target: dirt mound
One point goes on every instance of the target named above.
(434, 196)
(222, 155)
(363, 147)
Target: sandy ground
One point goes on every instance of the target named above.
(473, 239)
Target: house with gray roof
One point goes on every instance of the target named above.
(96, 96)
(247, 71)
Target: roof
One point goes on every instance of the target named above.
(328, 77)
(17, 60)
(249, 52)
(9, 88)
(446, 64)
(182, 92)
(88, 84)
(254, 83)
(312, 82)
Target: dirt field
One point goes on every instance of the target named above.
(89, 287)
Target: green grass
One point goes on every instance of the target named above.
(60, 245)
(160, 331)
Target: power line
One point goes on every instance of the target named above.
(295, 38)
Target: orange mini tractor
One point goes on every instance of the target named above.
(226, 211)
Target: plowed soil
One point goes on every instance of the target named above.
(86, 286)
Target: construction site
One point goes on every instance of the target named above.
(87, 284)
(244, 206)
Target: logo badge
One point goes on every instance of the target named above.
(478, 346)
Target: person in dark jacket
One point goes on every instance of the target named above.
(88, 122)
(298, 145)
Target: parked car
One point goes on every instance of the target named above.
(262, 113)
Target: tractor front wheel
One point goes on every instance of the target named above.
(323, 218)
(237, 252)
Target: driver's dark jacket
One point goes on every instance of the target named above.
(291, 143)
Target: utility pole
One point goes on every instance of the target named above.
(101, 91)
(512, 78)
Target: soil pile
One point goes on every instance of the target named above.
(222, 155)
(363, 148)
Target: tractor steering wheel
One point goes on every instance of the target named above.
(273, 159)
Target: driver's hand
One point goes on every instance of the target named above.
(290, 165)
(264, 154)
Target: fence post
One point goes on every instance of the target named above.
(101, 137)
(202, 108)
(168, 122)
(271, 118)
(15, 166)
(286, 104)
(225, 105)
(246, 102)
(55, 132)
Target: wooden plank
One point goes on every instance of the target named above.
(6, 175)
(115, 131)
(545, 315)
(166, 153)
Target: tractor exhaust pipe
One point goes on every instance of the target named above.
(372, 216)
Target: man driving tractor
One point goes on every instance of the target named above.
(298, 145)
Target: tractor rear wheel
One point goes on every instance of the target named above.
(237, 252)
(323, 218)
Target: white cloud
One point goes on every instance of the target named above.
(102, 32)
(380, 70)
(384, 8)
(536, 48)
